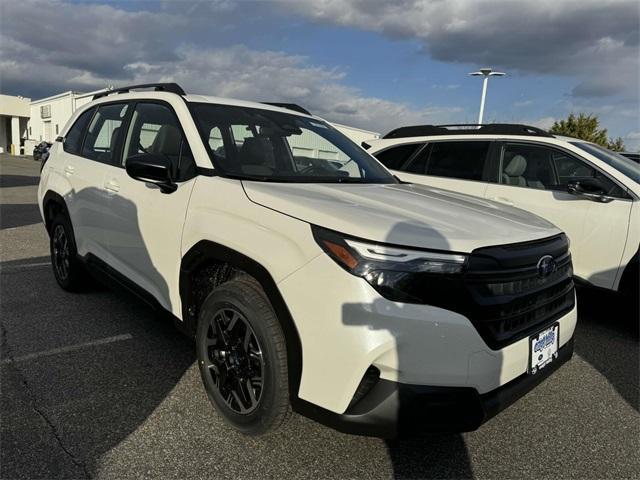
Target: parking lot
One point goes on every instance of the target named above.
(97, 385)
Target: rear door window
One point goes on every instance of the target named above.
(104, 135)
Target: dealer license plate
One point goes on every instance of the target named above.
(543, 348)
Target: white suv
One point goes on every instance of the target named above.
(586, 190)
(309, 276)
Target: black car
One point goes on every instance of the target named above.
(41, 149)
(633, 156)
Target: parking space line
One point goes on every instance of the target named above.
(70, 348)
(17, 268)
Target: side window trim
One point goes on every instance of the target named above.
(85, 130)
(564, 151)
(116, 160)
(493, 163)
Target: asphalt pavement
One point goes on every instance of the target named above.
(97, 385)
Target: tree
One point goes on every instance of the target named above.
(587, 127)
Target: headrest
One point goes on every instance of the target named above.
(256, 151)
(516, 167)
(167, 141)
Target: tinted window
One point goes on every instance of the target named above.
(154, 130)
(545, 168)
(266, 145)
(464, 160)
(73, 140)
(623, 164)
(395, 157)
(104, 134)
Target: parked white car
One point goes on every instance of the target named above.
(586, 190)
(321, 284)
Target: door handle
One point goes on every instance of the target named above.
(69, 169)
(112, 186)
(504, 200)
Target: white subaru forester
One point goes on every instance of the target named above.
(311, 278)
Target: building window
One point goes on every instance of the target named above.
(56, 129)
(30, 132)
(45, 111)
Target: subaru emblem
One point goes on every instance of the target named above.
(546, 266)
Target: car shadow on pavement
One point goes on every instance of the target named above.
(80, 372)
(8, 181)
(436, 456)
(607, 338)
(18, 215)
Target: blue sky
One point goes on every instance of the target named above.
(370, 64)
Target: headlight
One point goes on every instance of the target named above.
(396, 273)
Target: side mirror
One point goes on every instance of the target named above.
(589, 189)
(151, 168)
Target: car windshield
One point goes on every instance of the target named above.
(623, 164)
(264, 145)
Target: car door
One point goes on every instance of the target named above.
(145, 225)
(87, 148)
(460, 166)
(535, 177)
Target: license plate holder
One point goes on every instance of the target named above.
(543, 348)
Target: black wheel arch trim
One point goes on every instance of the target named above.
(53, 197)
(206, 251)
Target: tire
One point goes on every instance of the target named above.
(244, 372)
(67, 269)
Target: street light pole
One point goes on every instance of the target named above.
(485, 73)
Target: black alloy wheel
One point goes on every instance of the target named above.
(60, 254)
(242, 357)
(67, 268)
(234, 360)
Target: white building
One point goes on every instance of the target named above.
(14, 115)
(49, 115)
(358, 135)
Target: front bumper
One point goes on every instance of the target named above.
(345, 328)
(392, 409)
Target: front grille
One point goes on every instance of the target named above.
(509, 300)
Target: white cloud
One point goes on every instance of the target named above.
(446, 87)
(523, 103)
(632, 141)
(89, 46)
(595, 41)
(239, 72)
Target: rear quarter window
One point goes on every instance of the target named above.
(395, 157)
(73, 140)
(462, 160)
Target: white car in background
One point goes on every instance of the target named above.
(586, 190)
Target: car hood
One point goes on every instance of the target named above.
(403, 214)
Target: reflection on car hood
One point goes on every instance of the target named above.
(403, 214)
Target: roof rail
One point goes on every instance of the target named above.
(467, 129)
(289, 106)
(158, 87)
